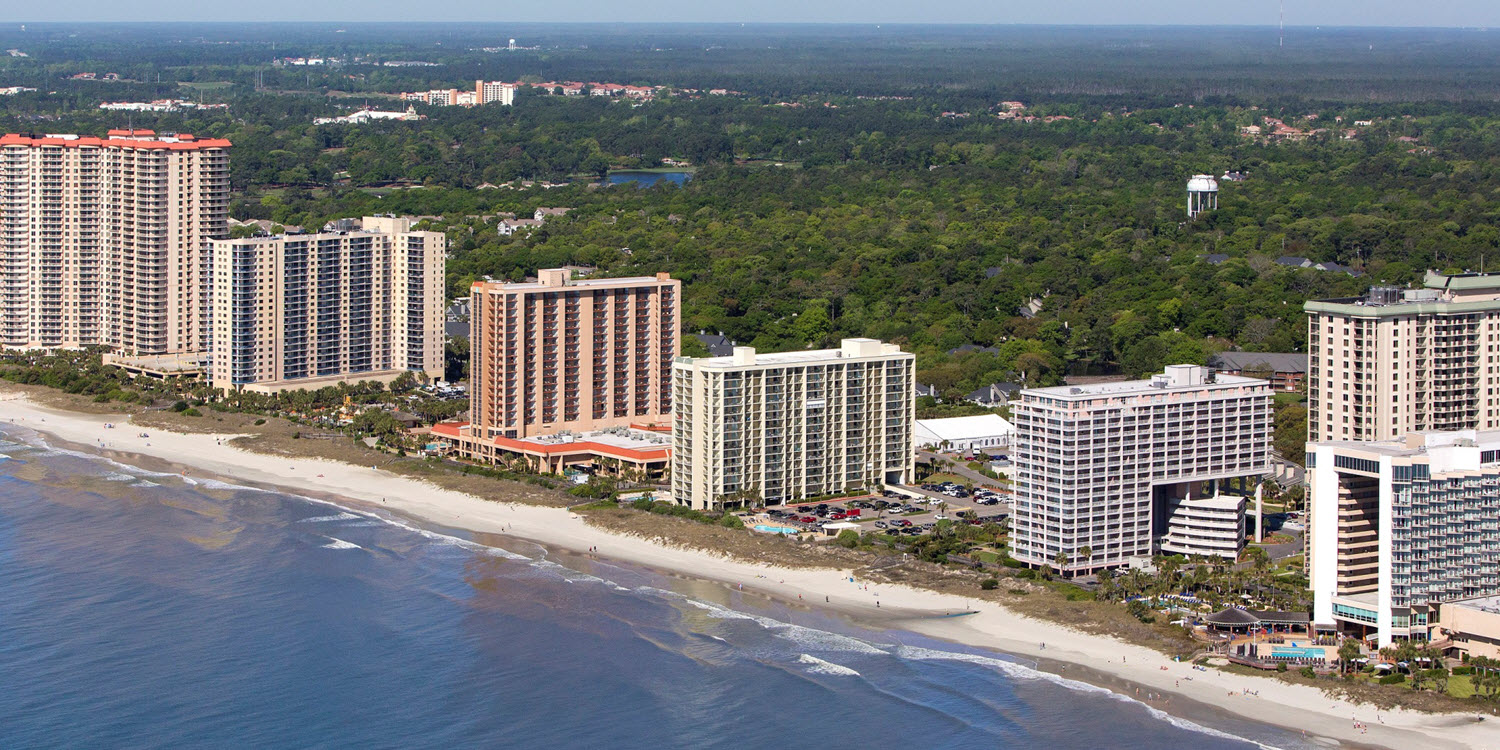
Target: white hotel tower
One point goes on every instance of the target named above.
(1137, 468)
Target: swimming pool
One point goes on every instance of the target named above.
(776, 529)
(1297, 652)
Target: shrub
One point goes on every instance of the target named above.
(1281, 666)
(180, 406)
(731, 521)
(989, 584)
(191, 412)
(1020, 592)
(642, 503)
(1463, 670)
(1393, 679)
(102, 398)
(848, 538)
(259, 422)
(1308, 672)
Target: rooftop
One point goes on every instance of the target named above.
(616, 438)
(1273, 361)
(967, 428)
(745, 356)
(555, 278)
(1442, 450)
(1490, 604)
(1176, 379)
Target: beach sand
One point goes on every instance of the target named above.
(1294, 706)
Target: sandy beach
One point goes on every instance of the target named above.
(1266, 700)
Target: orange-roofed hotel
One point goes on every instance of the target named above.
(103, 241)
(559, 356)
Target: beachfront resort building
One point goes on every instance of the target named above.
(103, 241)
(1396, 528)
(571, 374)
(1397, 361)
(312, 310)
(563, 354)
(1111, 471)
(751, 428)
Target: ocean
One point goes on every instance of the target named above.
(149, 609)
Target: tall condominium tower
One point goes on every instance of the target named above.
(1397, 361)
(103, 240)
(775, 428)
(571, 354)
(309, 310)
(1116, 470)
(1398, 528)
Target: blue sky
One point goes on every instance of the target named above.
(1151, 12)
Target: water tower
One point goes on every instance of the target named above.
(1203, 194)
(512, 45)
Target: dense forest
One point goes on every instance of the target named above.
(877, 192)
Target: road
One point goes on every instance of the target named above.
(959, 469)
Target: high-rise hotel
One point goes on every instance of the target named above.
(571, 354)
(1111, 471)
(1402, 360)
(751, 429)
(1403, 456)
(103, 241)
(309, 310)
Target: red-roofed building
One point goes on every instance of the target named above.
(639, 454)
(102, 240)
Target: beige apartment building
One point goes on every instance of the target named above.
(1397, 361)
(311, 310)
(103, 240)
(564, 354)
(751, 428)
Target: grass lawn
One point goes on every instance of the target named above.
(1289, 398)
(205, 85)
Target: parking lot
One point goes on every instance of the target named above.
(909, 511)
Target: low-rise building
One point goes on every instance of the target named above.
(756, 428)
(635, 453)
(1470, 627)
(985, 433)
(1286, 371)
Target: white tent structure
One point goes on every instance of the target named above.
(986, 432)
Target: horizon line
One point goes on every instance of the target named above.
(743, 24)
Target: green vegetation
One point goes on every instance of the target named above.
(901, 224)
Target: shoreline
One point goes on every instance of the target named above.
(1107, 660)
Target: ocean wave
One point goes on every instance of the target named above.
(116, 476)
(144, 483)
(819, 666)
(336, 543)
(818, 640)
(566, 573)
(1024, 672)
(340, 516)
(47, 449)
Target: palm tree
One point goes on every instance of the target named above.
(1348, 651)
(1086, 554)
(1062, 560)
